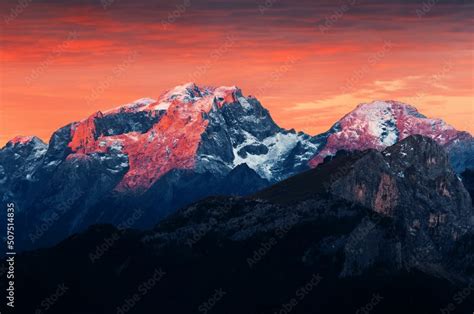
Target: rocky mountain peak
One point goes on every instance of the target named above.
(191, 139)
(380, 124)
(25, 140)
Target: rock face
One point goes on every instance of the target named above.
(210, 130)
(19, 160)
(413, 184)
(94, 169)
(468, 181)
(144, 154)
(396, 223)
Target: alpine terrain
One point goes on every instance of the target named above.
(136, 164)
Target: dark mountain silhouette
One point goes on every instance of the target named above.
(388, 231)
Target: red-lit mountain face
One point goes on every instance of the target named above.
(217, 129)
(211, 128)
(171, 142)
(190, 143)
(380, 124)
(178, 125)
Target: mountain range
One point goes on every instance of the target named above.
(388, 231)
(156, 156)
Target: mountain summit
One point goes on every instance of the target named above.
(381, 124)
(207, 129)
(190, 143)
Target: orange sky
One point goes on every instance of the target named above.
(61, 61)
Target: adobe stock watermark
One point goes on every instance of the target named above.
(175, 15)
(51, 58)
(458, 298)
(208, 305)
(266, 246)
(370, 306)
(60, 211)
(142, 290)
(436, 78)
(117, 72)
(198, 232)
(201, 232)
(266, 5)
(51, 300)
(338, 174)
(215, 55)
(300, 294)
(360, 234)
(16, 11)
(426, 8)
(110, 241)
(372, 61)
(277, 74)
(338, 14)
(106, 3)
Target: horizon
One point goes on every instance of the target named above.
(308, 62)
(47, 140)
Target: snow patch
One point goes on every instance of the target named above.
(245, 104)
(138, 105)
(279, 145)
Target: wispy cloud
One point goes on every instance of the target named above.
(307, 97)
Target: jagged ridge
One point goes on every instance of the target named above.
(146, 152)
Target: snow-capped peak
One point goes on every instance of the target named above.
(188, 93)
(183, 93)
(380, 124)
(214, 130)
(387, 105)
(21, 140)
(158, 136)
(137, 105)
(24, 140)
